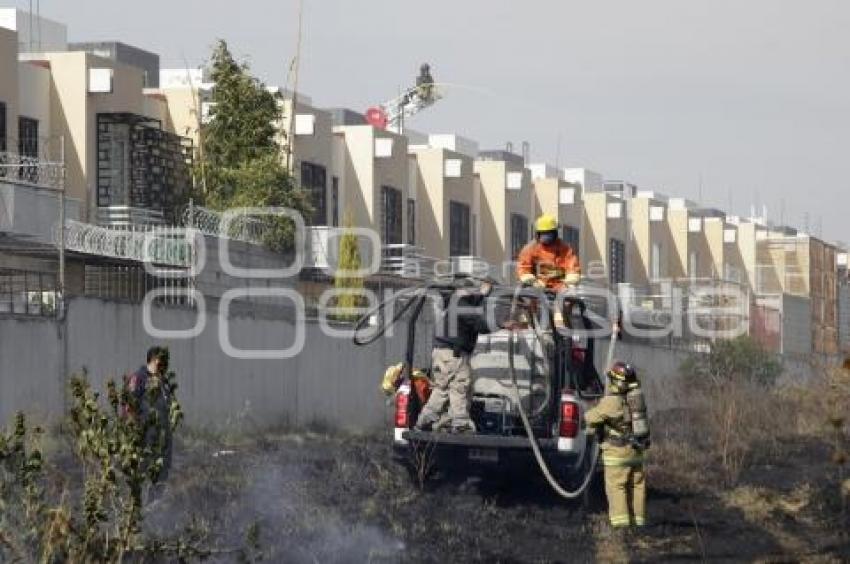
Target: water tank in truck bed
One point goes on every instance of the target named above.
(491, 375)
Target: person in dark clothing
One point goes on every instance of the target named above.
(457, 327)
(152, 394)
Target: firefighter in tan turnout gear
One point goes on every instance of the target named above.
(621, 418)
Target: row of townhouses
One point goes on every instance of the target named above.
(123, 134)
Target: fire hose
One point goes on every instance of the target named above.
(541, 462)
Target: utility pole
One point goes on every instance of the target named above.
(60, 300)
(290, 142)
(61, 240)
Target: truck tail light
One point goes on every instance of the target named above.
(569, 419)
(402, 400)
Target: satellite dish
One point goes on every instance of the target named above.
(377, 117)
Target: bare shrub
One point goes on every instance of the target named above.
(423, 461)
(119, 457)
(742, 424)
(733, 415)
(837, 409)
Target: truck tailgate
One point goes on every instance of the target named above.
(474, 440)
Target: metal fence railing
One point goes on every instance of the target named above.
(407, 261)
(686, 313)
(30, 169)
(131, 283)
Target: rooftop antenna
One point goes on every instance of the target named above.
(558, 155)
(29, 46)
(806, 221)
(699, 194)
(509, 147)
(526, 152)
(38, 23)
(729, 194)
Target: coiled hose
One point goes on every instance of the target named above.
(541, 462)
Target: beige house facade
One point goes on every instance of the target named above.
(561, 199)
(507, 208)
(372, 169)
(446, 202)
(606, 238)
(651, 250)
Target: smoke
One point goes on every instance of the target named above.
(271, 494)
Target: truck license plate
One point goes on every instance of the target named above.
(484, 455)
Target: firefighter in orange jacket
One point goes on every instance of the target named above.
(548, 262)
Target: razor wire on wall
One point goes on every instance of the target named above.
(146, 244)
(238, 227)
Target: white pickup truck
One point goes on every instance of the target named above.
(555, 390)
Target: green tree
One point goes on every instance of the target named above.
(242, 158)
(349, 261)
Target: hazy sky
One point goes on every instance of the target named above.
(752, 96)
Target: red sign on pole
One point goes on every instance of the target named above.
(377, 117)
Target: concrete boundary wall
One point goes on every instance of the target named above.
(331, 382)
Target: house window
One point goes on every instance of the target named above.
(656, 213)
(514, 181)
(411, 221)
(2, 126)
(614, 210)
(458, 229)
(305, 124)
(314, 181)
(453, 168)
(570, 235)
(2, 137)
(391, 219)
(474, 235)
(28, 146)
(28, 137)
(519, 233)
(566, 196)
(616, 261)
(335, 201)
(141, 165)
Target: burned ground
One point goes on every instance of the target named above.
(736, 474)
(321, 498)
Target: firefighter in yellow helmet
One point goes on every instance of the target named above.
(548, 262)
(621, 418)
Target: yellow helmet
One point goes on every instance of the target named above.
(546, 223)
